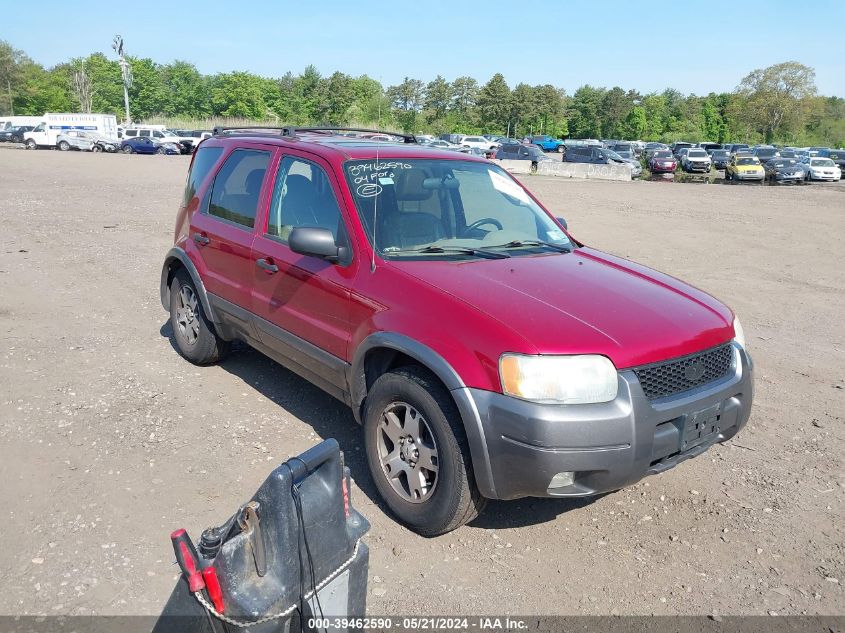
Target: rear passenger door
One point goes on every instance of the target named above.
(221, 231)
(302, 301)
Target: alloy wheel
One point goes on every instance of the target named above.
(187, 315)
(408, 452)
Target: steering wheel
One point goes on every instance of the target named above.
(482, 222)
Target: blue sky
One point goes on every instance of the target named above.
(638, 45)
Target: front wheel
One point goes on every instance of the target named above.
(96, 148)
(64, 146)
(560, 149)
(126, 149)
(418, 453)
(160, 150)
(30, 144)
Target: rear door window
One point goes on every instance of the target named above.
(144, 133)
(234, 195)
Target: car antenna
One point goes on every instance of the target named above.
(375, 197)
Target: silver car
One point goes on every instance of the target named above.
(85, 141)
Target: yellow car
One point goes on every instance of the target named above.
(744, 168)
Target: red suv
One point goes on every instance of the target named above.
(487, 353)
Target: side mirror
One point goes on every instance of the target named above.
(316, 242)
(563, 222)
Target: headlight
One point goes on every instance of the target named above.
(559, 379)
(739, 335)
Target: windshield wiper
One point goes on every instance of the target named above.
(519, 243)
(455, 249)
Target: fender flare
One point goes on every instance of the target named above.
(174, 254)
(461, 394)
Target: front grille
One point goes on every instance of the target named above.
(670, 377)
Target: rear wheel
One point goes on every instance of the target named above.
(96, 148)
(160, 150)
(418, 453)
(64, 146)
(194, 333)
(126, 149)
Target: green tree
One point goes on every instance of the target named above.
(584, 112)
(438, 98)
(776, 96)
(186, 90)
(494, 104)
(237, 94)
(12, 61)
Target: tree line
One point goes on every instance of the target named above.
(775, 104)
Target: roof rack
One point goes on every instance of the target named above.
(291, 132)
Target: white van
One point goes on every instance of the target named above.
(7, 122)
(53, 124)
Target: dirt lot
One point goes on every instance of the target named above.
(109, 439)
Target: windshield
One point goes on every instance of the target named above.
(821, 162)
(412, 204)
(720, 153)
(697, 153)
(747, 161)
(784, 163)
(663, 154)
(625, 154)
(612, 155)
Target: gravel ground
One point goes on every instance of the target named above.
(109, 439)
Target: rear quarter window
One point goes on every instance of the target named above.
(204, 160)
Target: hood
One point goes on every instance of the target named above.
(585, 302)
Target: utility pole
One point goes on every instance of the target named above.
(126, 72)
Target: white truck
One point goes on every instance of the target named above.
(52, 124)
(14, 121)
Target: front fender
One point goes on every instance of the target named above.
(449, 377)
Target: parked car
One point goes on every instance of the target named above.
(696, 159)
(518, 151)
(477, 142)
(738, 147)
(678, 146)
(662, 161)
(784, 170)
(85, 141)
(765, 154)
(720, 158)
(822, 169)
(548, 143)
(15, 134)
(543, 368)
(145, 145)
(836, 155)
(629, 157)
(625, 147)
(441, 144)
(650, 148)
(744, 168)
(591, 154)
(789, 153)
(710, 147)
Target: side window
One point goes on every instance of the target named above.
(144, 133)
(302, 196)
(204, 160)
(130, 133)
(234, 195)
(157, 134)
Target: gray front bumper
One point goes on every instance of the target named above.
(609, 445)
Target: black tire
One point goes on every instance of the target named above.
(160, 150)
(127, 149)
(96, 148)
(31, 144)
(64, 146)
(206, 347)
(455, 499)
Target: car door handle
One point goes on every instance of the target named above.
(201, 239)
(269, 266)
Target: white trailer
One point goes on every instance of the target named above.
(52, 124)
(14, 121)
